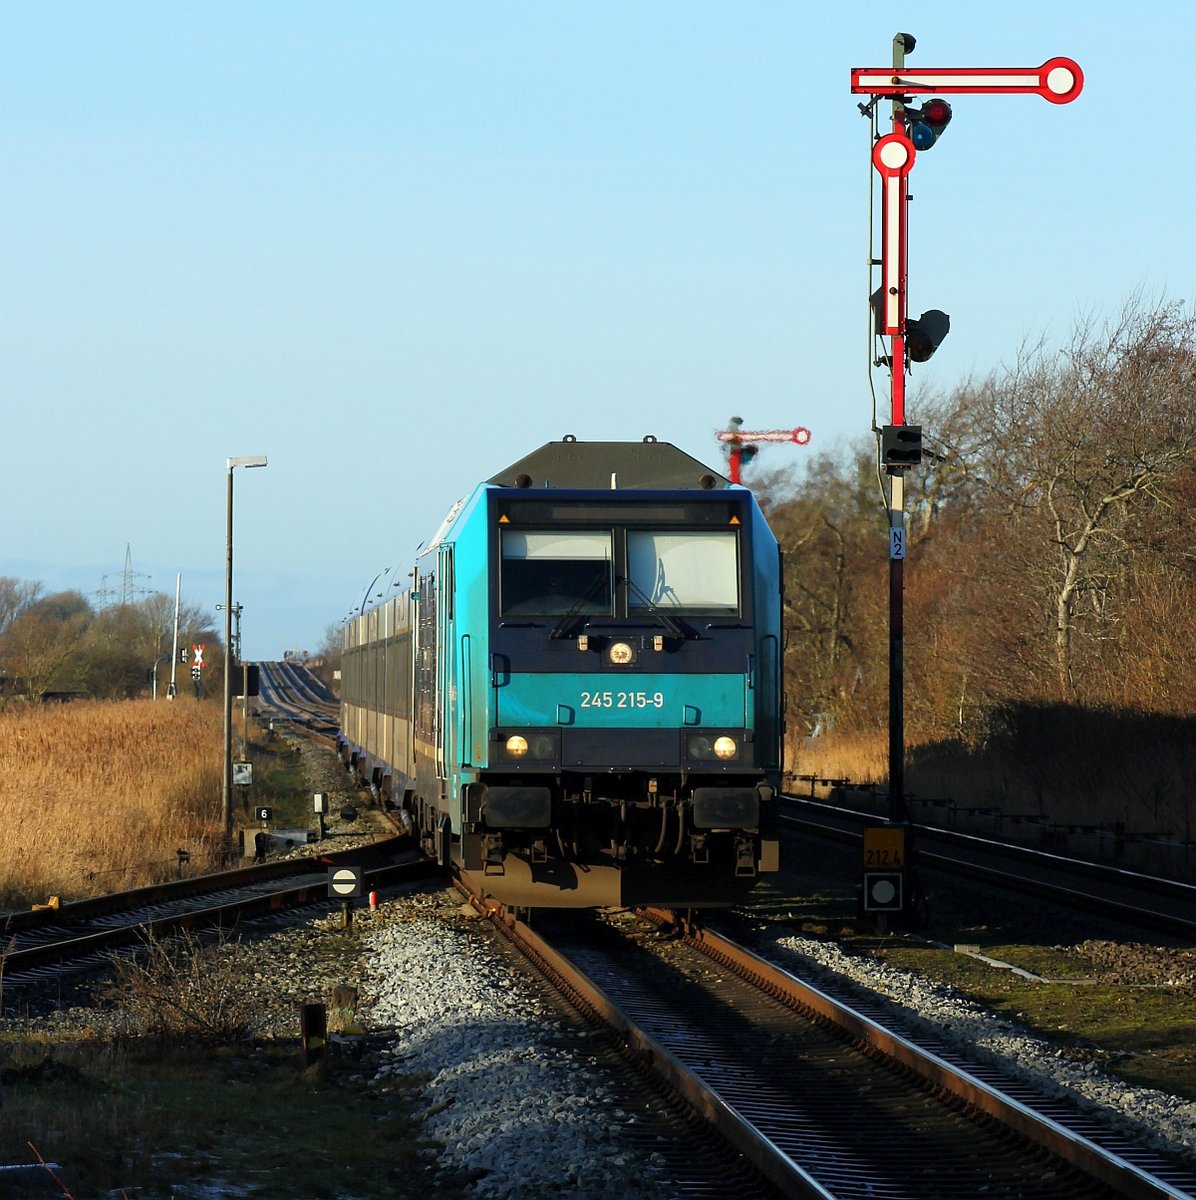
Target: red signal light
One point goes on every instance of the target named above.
(937, 114)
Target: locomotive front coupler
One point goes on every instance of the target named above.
(745, 856)
(492, 854)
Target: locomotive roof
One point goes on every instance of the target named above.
(602, 465)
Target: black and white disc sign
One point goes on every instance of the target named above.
(345, 882)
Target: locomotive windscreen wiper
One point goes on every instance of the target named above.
(678, 631)
(561, 628)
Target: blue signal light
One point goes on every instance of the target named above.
(922, 136)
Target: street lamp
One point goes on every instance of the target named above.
(366, 598)
(250, 460)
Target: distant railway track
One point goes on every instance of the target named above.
(47, 942)
(819, 1095)
(291, 693)
(1145, 901)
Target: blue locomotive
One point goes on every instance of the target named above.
(578, 699)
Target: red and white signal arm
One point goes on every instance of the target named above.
(197, 657)
(1058, 80)
(800, 435)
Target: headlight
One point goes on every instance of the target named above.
(706, 747)
(698, 748)
(530, 747)
(725, 748)
(543, 747)
(619, 654)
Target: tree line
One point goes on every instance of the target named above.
(1051, 555)
(60, 642)
(1051, 546)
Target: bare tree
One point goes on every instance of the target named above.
(16, 595)
(41, 653)
(831, 529)
(1118, 423)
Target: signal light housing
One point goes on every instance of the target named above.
(926, 124)
(901, 446)
(924, 336)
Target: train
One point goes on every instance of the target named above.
(577, 700)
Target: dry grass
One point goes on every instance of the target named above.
(96, 797)
(861, 757)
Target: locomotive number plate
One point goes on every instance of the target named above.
(622, 700)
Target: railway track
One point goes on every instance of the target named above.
(1147, 902)
(289, 692)
(820, 1096)
(47, 943)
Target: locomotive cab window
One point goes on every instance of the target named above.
(694, 572)
(553, 573)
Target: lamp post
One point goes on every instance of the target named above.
(366, 598)
(251, 460)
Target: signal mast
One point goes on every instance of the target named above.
(916, 128)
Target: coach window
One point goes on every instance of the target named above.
(550, 574)
(694, 572)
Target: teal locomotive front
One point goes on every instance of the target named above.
(595, 694)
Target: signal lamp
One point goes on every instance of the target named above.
(922, 136)
(924, 336)
(698, 747)
(901, 446)
(928, 122)
(702, 747)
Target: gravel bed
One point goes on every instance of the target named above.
(514, 1094)
(515, 1097)
(1164, 1122)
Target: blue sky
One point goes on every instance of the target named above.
(395, 246)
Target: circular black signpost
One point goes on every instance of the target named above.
(346, 883)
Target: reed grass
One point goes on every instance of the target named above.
(98, 796)
(861, 757)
